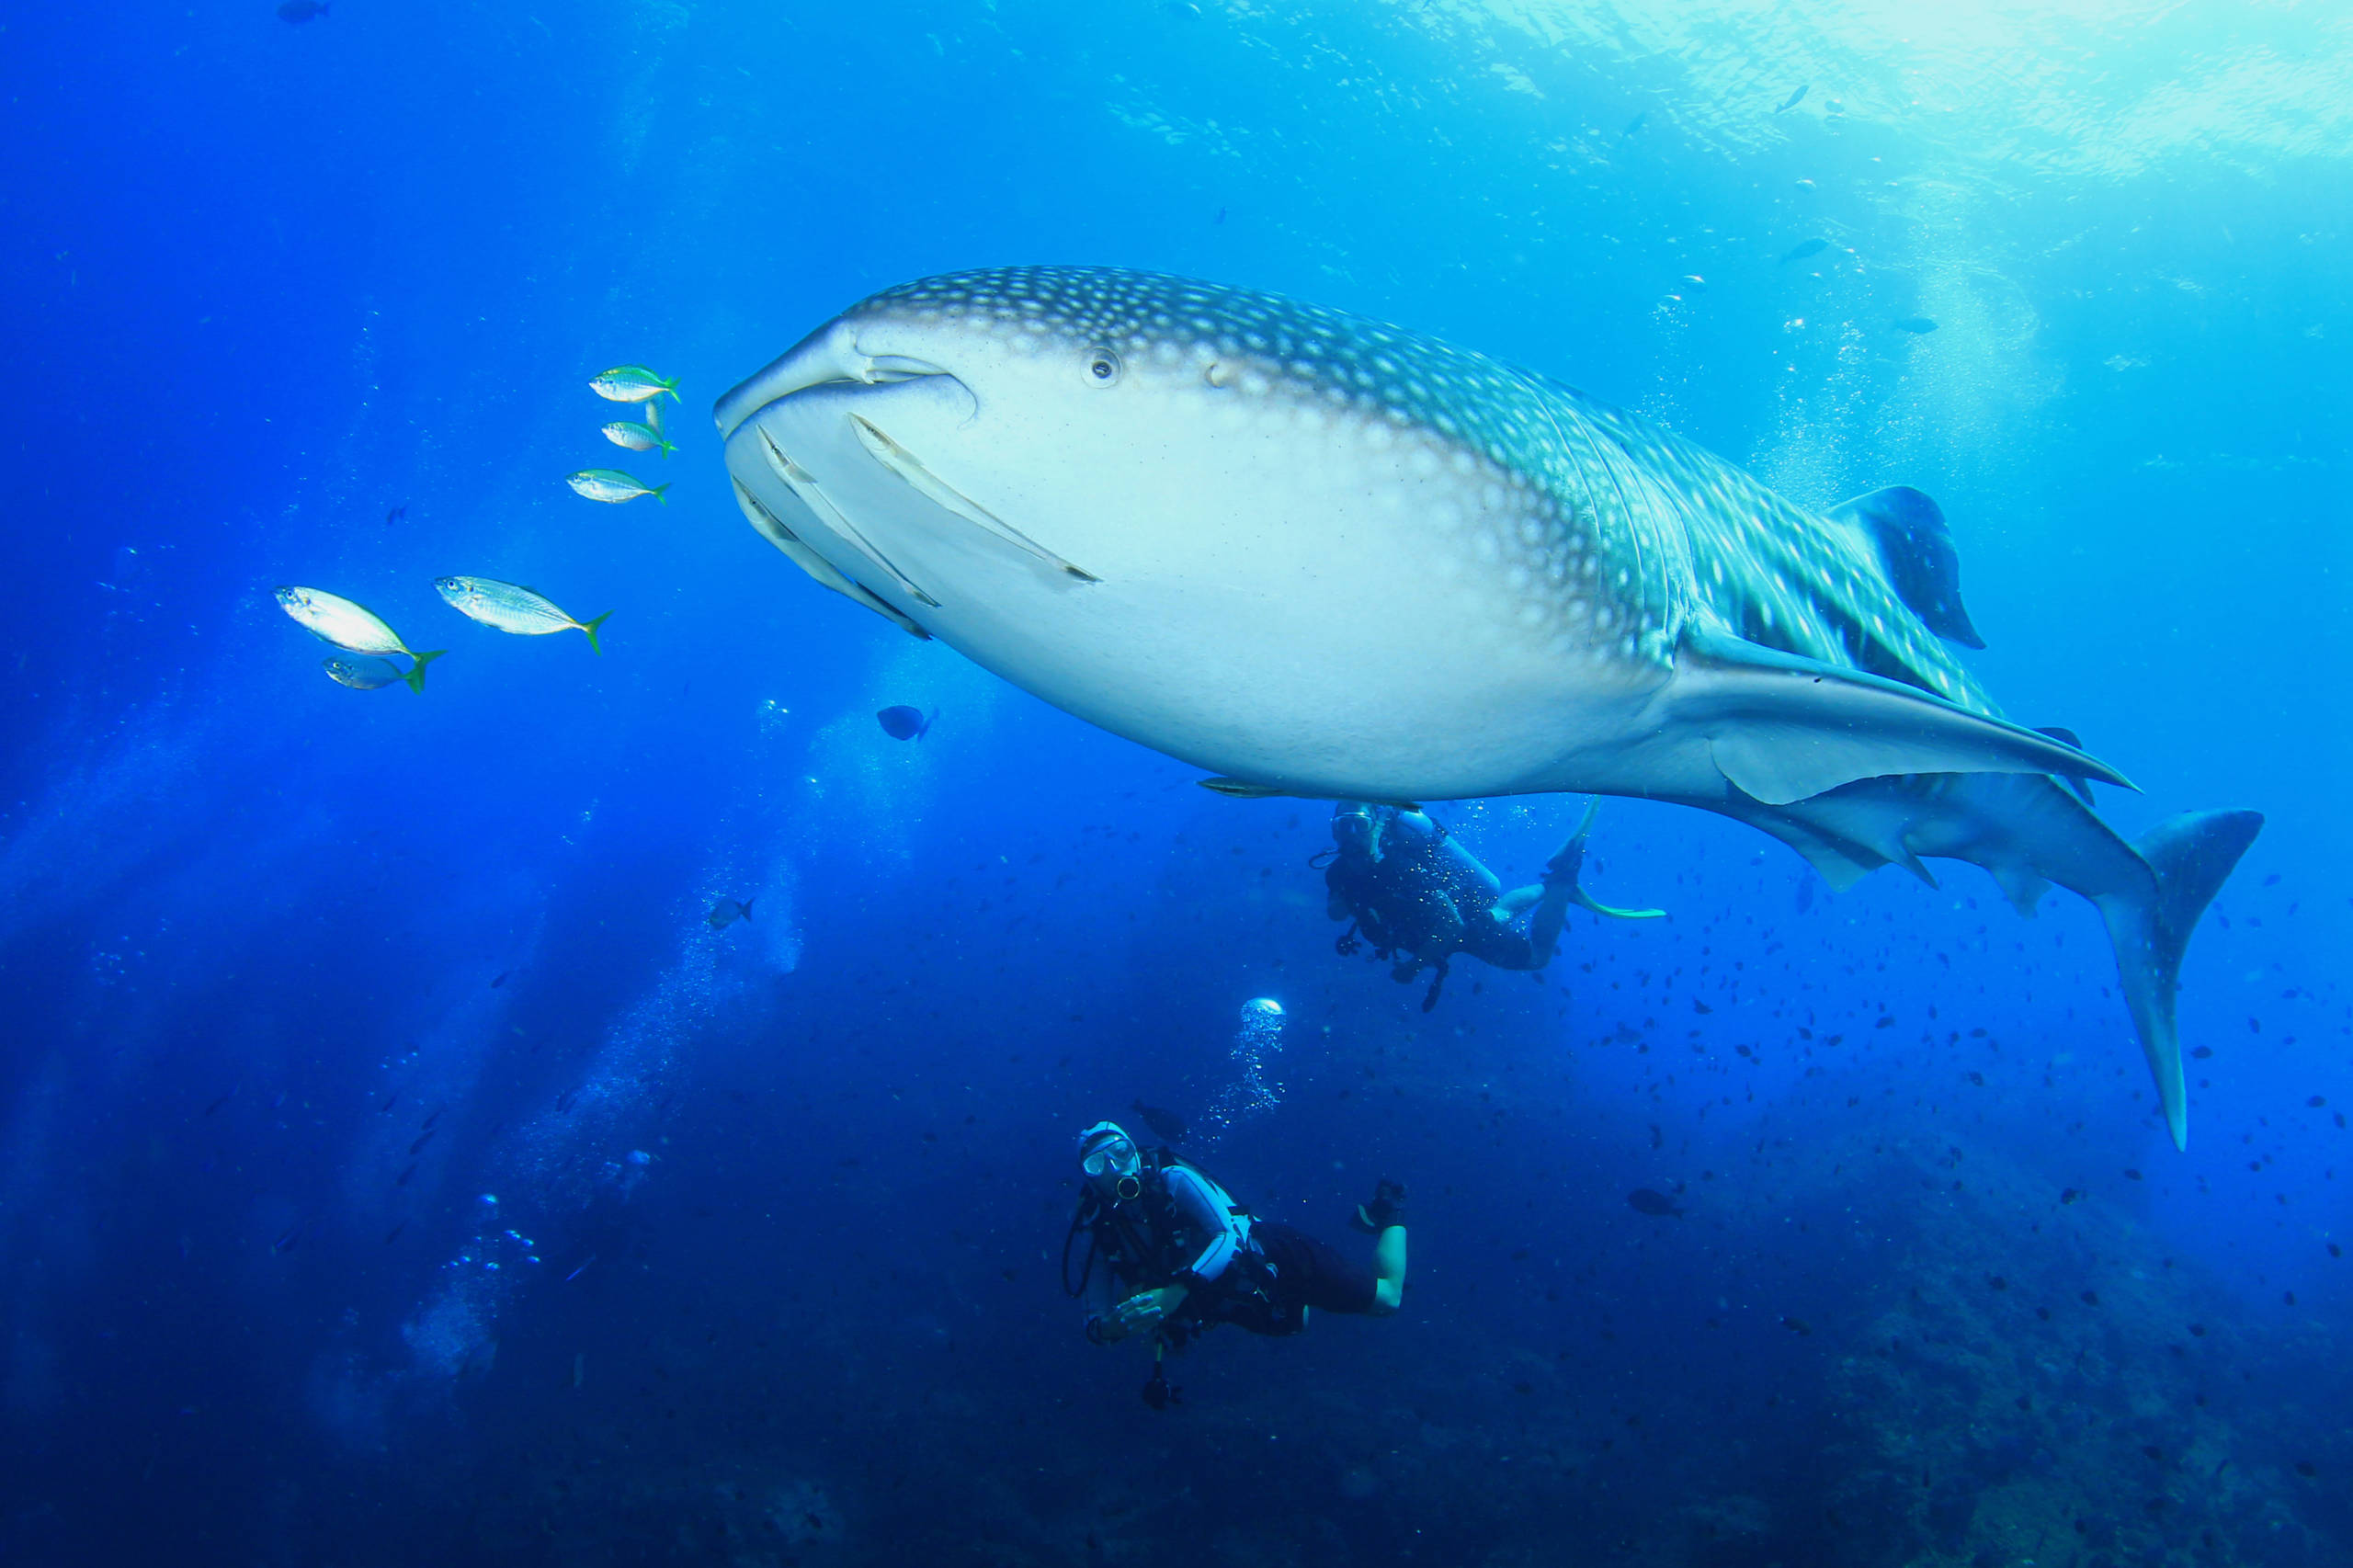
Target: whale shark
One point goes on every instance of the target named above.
(1317, 555)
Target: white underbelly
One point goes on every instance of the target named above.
(1323, 633)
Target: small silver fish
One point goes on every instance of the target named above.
(611, 484)
(510, 606)
(632, 383)
(353, 627)
(638, 437)
(361, 673)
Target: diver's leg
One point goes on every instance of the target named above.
(1389, 1271)
(1561, 876)
(1517, 902)
(1385, 1218)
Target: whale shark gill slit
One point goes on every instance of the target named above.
(773, 528)
(805, 486)
(948, 498)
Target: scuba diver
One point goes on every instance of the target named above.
(1179, 1256)
(1401, 878)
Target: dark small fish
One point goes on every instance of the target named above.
(418, 1146)
(1658, 1138)
(501, 979)
(2131, 1174)
(2202, 1052)
(389, 1100)
(398, 514)
(1805, 895)
(2069, 1195)
(402, 1180)
(1633, 125)
(289, 1236)
(2306, 1468)
(297, 12)
(727, 910)
(1916, 323)
(1220, 216)
(394, 1233)
(905, 723)
(2091, 1298)
(224, 1099)
(565, 1101)
(430, 1121)
(1797, 1325)
(1804, 249)
(1167, 1123)
(1793, 100)
(1658, 1205)
(2272, 881)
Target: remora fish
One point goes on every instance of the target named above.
(353, 627)
(1321, 556)
(510, 606)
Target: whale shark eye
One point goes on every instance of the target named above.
(1102, 367)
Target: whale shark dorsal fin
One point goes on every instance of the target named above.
(1781, 727)
(1916, 549)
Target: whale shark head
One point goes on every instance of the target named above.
(1233, 527)
(1308, 552)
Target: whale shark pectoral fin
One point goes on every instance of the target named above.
(771, 528)
(949, 499)
(1781, 727)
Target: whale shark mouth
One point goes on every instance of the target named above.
(824, 360)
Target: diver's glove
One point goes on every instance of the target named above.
(1387, 1209)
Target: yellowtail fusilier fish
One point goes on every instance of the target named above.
(632, 383)
(361, 674)
(353, 627)
(637, 437)
(611, 484)
(508, 607)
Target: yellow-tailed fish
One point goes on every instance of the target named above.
(611, 484)
(632, 383)
(360, 672)
(353, 627)
(508, 607)
(639, 438)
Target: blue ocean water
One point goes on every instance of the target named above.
(399, 1167)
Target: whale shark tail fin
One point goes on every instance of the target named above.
(2191, 855)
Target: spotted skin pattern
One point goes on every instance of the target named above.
(1610, 528)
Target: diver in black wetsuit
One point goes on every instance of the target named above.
(1408, 885)
(1179, 1256)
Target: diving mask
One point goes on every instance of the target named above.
(1105, 1151)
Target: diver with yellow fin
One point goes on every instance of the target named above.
(1179, 1256)
(1419, 897)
